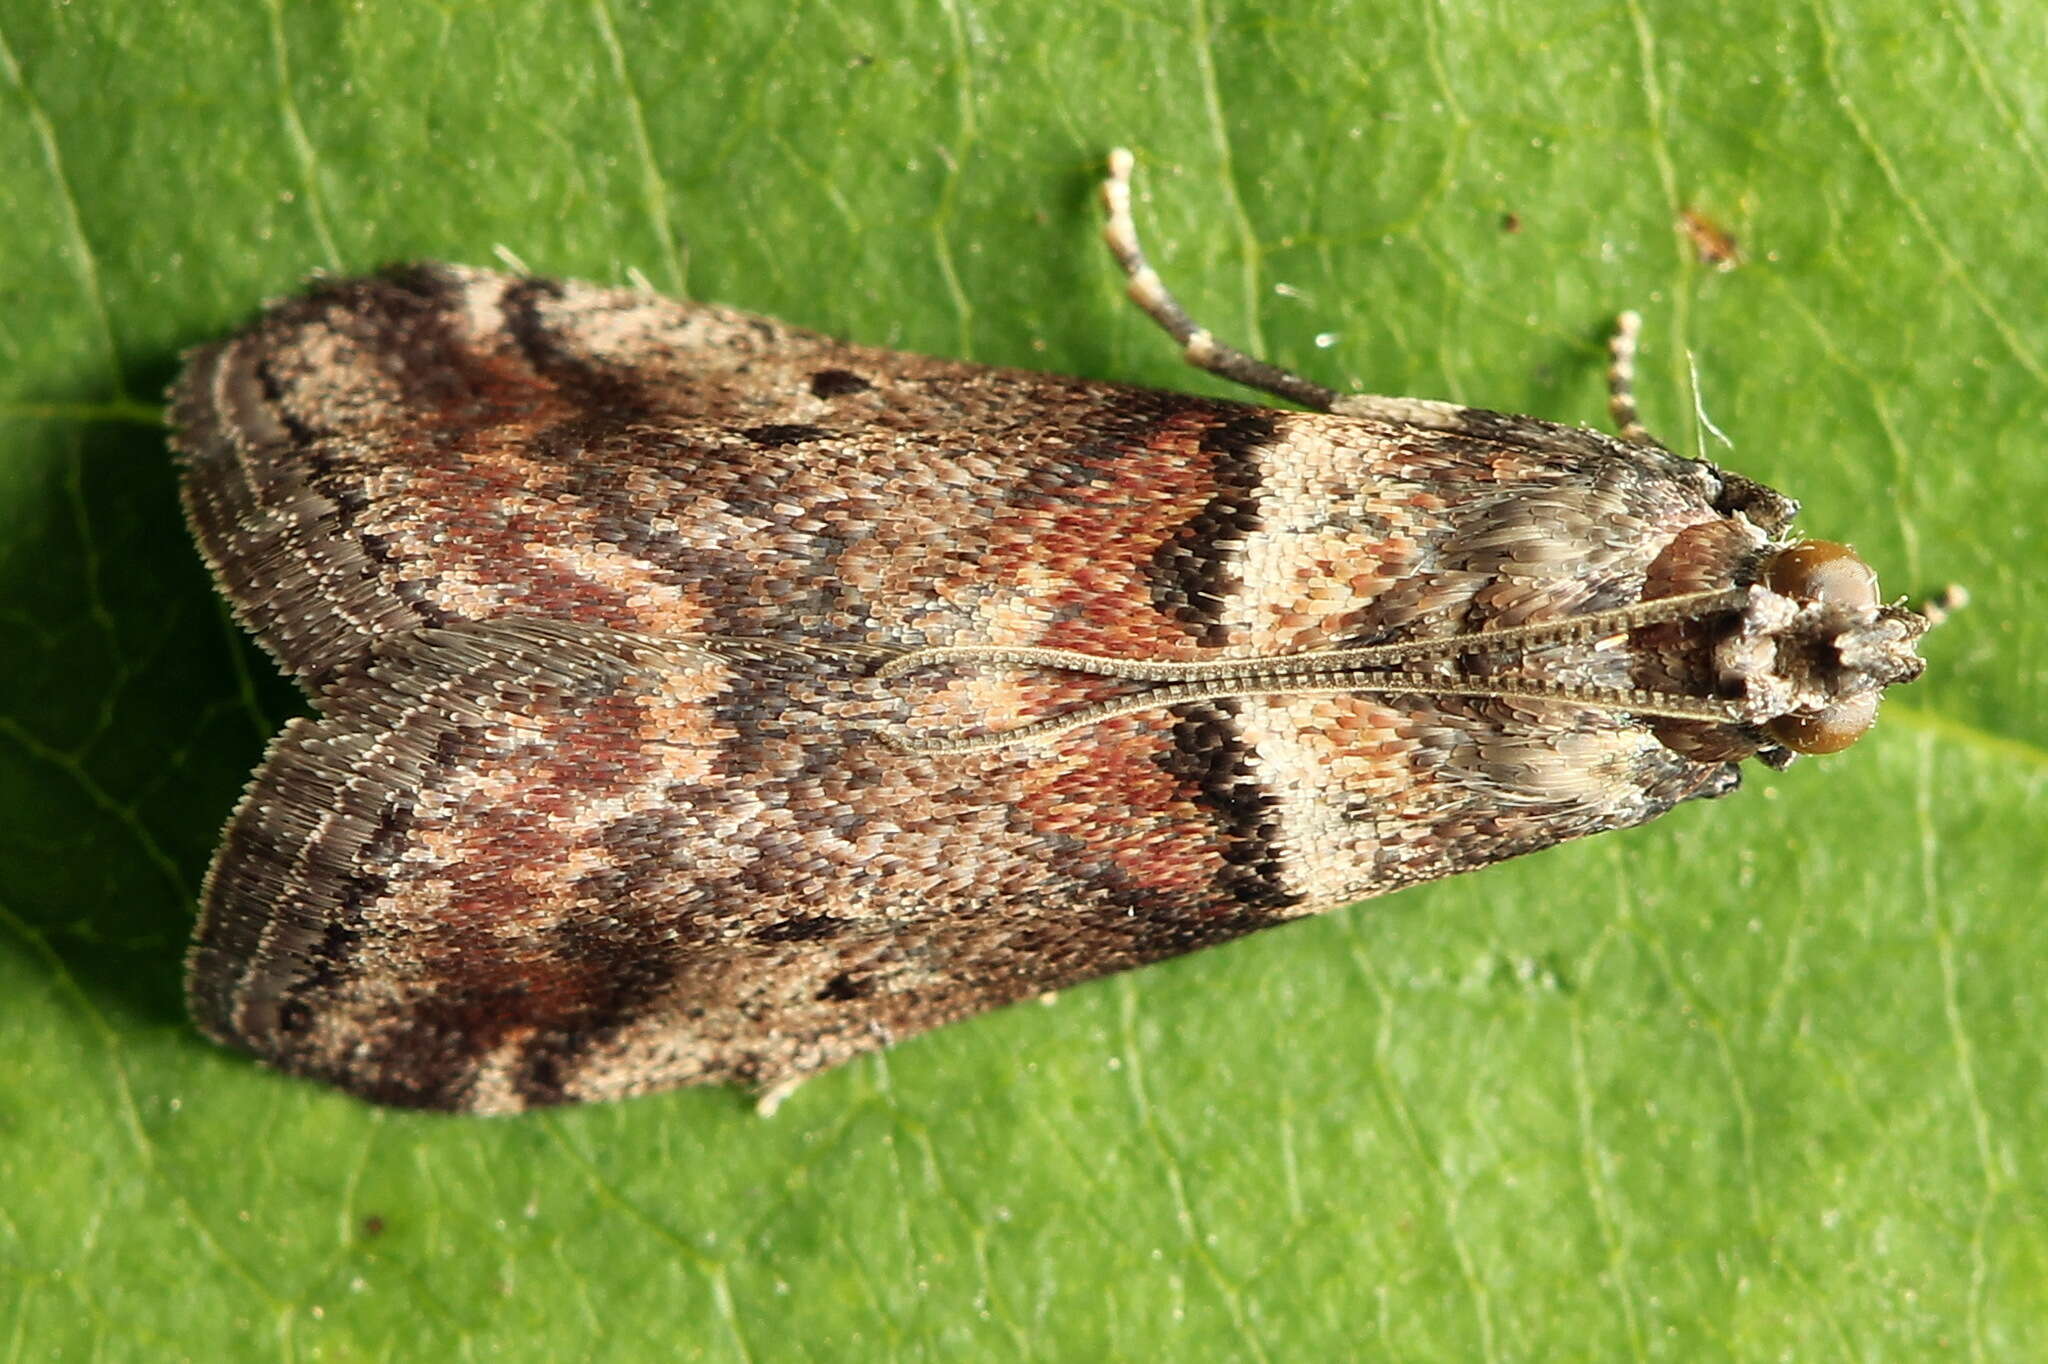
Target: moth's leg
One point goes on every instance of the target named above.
(770, 1097)
(1198, 347)
(1621, 380)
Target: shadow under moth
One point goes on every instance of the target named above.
(701, 699)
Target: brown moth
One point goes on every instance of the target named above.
(701, 699)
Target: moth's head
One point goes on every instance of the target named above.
(1819, 646)
(1812, 649)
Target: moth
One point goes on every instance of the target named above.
(702, 699)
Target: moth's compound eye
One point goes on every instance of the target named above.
(1823, 571)
(1828, 730)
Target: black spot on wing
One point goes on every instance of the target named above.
(845, 987)
(801, 928)
(837, 383)
(784, 433)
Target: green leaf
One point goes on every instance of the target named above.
(1762, 1081)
